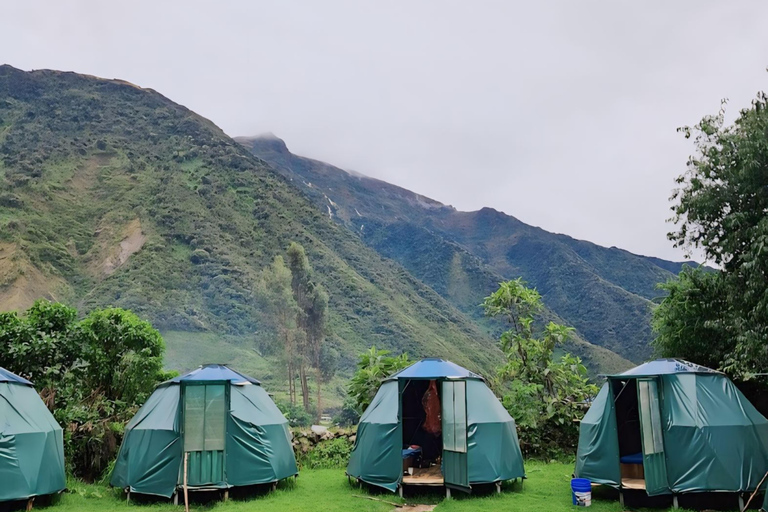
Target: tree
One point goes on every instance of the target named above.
(547, 398)
(93, 374)
(282, 311)
(374, 366)
(721, 208)
(312, 301)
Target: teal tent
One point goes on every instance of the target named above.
(671, 427)
(225, 425)
(31, 442)
(476, 443)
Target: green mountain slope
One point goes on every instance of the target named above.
(113, 194)
(604, 293)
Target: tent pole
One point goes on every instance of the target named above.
(186, 493)
(498, 487)
(757, 489)
(674, 502)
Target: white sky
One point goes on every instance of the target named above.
(561, 113)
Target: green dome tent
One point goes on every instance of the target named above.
(31, 442)
(476, 443)
(226, 425)
(671, 427)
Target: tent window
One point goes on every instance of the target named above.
(455, 416)
(204, 418)
(650, 417)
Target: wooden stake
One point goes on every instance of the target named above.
(757, 489)
(30, 504)
(186, 494)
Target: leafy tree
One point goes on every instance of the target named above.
(547, 398)
(312, 301)
(689, 324)
(348, 415)
(93, 374)
(721, 208)
(276, 294)
(374, 366)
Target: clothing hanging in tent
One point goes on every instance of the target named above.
(431, 403)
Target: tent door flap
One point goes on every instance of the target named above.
(454, 424)
(205, 429)
(652, 438)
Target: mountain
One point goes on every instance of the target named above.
(111, 194)
(605, 293)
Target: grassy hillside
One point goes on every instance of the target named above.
(113, 194)
(604, 293)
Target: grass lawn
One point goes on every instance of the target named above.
(545, 490)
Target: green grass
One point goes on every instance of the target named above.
(546, 490)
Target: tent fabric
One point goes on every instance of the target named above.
(376, 457)
(435, 368)
(714, 439)
(31, 443)
(493, 448)
(213, 372)
(666, 367)
(257, 448)
(6, 376)
(597, 457)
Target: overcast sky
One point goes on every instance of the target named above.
(562, 114)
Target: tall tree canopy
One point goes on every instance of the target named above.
(546, 396)
(721, 208)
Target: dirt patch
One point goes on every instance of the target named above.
(132, 242)
(21, 283)
(416, 508)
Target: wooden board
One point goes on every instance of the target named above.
(424, 476)
(633, 483)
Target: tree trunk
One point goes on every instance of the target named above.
(319, 401)
(304, 385)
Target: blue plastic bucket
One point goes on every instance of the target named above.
(581, 492)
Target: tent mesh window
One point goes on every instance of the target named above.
(455, 419)
(204, 418)
(649, 417)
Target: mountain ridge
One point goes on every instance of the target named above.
(607, 293)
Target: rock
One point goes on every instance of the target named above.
(318, 429)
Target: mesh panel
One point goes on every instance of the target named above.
(204, 418)
(194, 418)
(215, 418)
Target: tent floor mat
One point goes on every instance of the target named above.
(633, 483)
(425, 476)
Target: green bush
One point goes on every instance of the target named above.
(330, 454)
(295, 414)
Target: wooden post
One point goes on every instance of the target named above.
(621, 498)
(176, 497)
(186, 493)
(498, 487)
(226, 495)
(30, 504)
(128, 497)
(274, 486)
(741, 502)
(448, 493)
(400, 490)
(675, 505)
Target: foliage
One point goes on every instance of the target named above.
(374, 366)
(92, 373)
(721, 208)
(690, 323)
(348, 416)
(296, 415)
(547, 398)
(329, 454)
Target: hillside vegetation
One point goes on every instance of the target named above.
(605, 293)
(111, 194)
